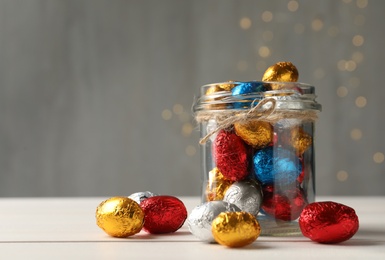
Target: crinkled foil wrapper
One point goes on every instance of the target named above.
(119, 217)
(200, 219)
(235, 229)
(328, 222)
(246, 194)
(138, 197)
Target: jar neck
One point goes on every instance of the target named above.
(288, 96)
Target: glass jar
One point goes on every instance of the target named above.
(258, 149)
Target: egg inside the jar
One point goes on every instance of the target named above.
(231, 155)
(283, 71)
(276, 165)
(246, 194)
(245, 89)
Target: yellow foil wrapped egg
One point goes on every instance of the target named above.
(214, 89)
(217, 185)
(120, 217)
(235, 229)
(255, 133)
(227, 86)
(300, 140)
(283, 71)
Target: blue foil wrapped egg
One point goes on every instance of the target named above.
(277, 166)
(245, 88)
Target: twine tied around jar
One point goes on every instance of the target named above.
(265, 110)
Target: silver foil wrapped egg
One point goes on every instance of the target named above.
(138, 197)
(246, 194)
(201, 217)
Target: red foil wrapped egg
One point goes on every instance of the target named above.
(231, 155)
(163, 214)
(286, 205)
(328, 222)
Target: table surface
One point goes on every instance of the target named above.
(65, 228)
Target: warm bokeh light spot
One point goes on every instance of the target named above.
(245, 23)
(342, 91)
(378, 157)
(358, 40)
(361, 101)
(267, 16)
(356, 134)
(342, 176)
(166, 114)
(292, 6)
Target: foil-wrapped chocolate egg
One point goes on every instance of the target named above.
(218, 87)
(138, 197)
(119, 217)
(231, 155)
(215, 91)
(228, 86)
(286, 204)
(276, 165)
(282, 72)
(246, 194)
(163, 214)
(256, 133)
(215, 102)
(235, 229)
(217, 185)
(201, 217)
(328, 222)
(300, 140)
(246, 88)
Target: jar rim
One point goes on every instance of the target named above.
(288, 95)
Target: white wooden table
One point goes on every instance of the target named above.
(65, 228)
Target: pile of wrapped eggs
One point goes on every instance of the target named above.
(126, 216)
(229, 217)
(216, 221)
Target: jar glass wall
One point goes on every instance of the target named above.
(258, 149)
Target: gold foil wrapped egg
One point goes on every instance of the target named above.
(255, 133)
(214, 89)
(217, 185)
(235, 229)
(120, 217)
(300, 140)
(227, 86)
(282, 72)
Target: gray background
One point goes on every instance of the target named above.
(95, 96)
